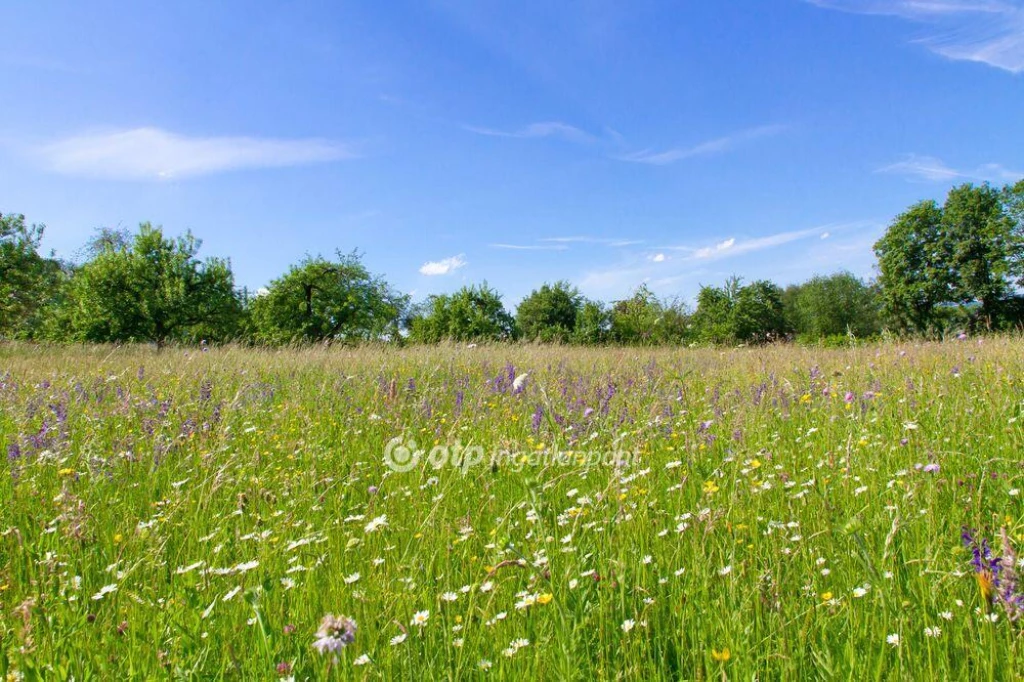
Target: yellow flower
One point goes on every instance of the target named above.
(710, 488)
(805, 398)
(66, 472)
(825, 596)
(721, 656)
(985, 585)
(545, 598)
(118, 538)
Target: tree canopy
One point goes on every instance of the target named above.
(151, 289)
(320, 300)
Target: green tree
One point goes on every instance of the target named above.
(319, 300)
(151, 289)
(473, 313)
(644, 319)
(593, 324)
(835, 305)
(29, 282)
(550, 313)
(758, 315)
(735, 313)
(914, 273)
(977, 238)
(968, 253)
(713, 321)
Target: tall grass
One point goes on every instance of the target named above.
(787, 513)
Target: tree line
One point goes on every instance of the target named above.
(959, 265)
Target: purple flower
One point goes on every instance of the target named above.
(931, 468)
(335, 633)
(538, 414)
(849, 397)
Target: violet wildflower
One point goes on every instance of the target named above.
(335, 633)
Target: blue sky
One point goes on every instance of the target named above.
(607, 143)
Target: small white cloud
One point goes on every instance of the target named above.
(658, 258)
(709, 251)
(826, 235)
(154, 154)
(445, 266)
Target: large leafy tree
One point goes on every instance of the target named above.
(473, 313)
(968, 253)
(758, 314)
(735, 313)
(593, 324)
(834, 305)
(320, 300)
(914, 273)
(151, 288)
(644, 319)
(29, 281)
(977, 238)
(550, 313)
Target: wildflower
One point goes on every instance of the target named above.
(628, 625)
(859, 592)
(487, 586)
(379, 522)
(398, 639)
(352, 578)
(362, 660)
(932, 632)
(420, 618)
(946, 615)
(710, 487)
(545, 598)
(647, 559)
(449, 596)
(104, 591)
(725, 570)
(826, 596)
(334, 634)
(721, 656)
(484, 664)
(893, 639)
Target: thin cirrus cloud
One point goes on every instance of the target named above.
(931, 169)
(985, 31)
(530, 247)
(155, 154)
(445, 266)
(605, 241)
(664, 269)
(718, 145)
(544, 129)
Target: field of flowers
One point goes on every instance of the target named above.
(776, 513)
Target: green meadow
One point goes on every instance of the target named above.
(512, 512)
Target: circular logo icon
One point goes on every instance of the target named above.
(401, 456)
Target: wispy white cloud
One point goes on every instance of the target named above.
(606, 241)
(931, 169)
(986, 31)
(664, 271)
(445, 266)
(706, 148)
(538, 130)
(530, 247)
(155, 154)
